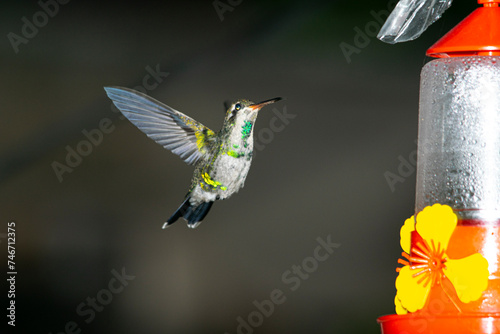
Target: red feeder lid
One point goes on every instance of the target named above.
(478, 34)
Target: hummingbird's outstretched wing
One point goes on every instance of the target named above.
(168, 127)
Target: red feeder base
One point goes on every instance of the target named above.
(440, 324)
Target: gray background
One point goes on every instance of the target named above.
(322, 175)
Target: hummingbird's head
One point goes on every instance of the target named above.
(244, 110)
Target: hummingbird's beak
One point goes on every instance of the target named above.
(258, 106)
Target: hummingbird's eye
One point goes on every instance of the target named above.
(237, 107)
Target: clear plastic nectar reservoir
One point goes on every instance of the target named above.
(459, 136)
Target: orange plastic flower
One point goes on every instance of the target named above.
(429, 265)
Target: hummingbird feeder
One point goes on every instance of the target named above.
(449, 278)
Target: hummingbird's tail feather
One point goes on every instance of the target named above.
(197, 214)
(192, 214)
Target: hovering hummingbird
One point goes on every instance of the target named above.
(222, 160)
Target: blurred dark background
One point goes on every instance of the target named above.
(323, 175)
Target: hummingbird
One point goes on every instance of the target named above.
(221, 159)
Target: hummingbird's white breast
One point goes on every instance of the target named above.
(224, 174)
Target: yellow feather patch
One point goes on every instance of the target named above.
(201, 139)
(208, 180)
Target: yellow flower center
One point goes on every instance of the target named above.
(430, 259)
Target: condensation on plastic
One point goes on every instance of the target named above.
(410, 18)
(459, 136)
